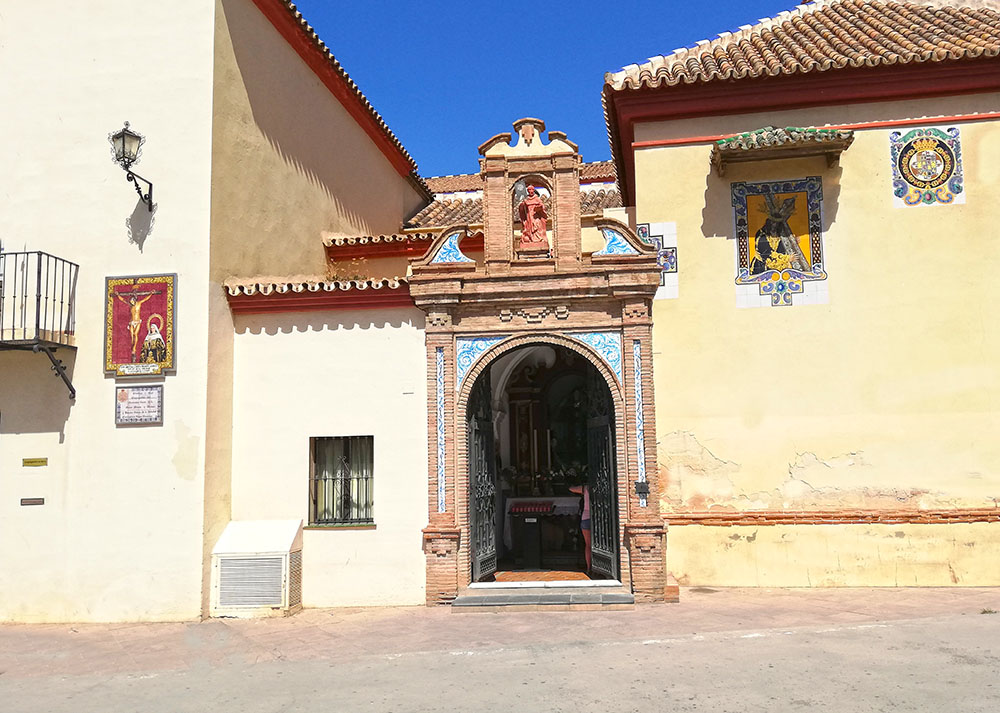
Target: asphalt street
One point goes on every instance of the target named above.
(718, 650)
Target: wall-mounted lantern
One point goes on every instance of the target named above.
(126, 145)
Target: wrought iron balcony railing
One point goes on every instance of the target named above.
(37, 300)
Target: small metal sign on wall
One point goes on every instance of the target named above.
(139, 405)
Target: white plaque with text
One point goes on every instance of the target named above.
(139, 405)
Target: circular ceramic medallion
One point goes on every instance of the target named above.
(926, 162)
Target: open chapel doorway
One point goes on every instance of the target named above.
(540, 427)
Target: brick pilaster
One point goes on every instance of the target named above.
(498, 224)
(441, 550)
(566, 211)
(646, 550)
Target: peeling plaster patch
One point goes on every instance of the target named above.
(798, 494)
(693, 476)
(695, 479)
(185, 458)
(809, 464)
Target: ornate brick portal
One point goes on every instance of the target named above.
(533, 285)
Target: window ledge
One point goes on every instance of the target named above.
(344, 526)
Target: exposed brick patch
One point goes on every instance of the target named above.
(645, 544)
(441, 550)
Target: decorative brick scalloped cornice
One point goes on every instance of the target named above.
(252, 296)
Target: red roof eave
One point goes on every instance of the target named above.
(625, 108)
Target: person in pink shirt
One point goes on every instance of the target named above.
(584, 520)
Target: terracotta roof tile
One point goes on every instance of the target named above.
(830, 34)
(592, 172)
(452, 184)
(469, 211)
(598, 171)
(594, 202)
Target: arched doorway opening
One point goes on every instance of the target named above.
(540, 424)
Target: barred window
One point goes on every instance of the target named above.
(340, 483)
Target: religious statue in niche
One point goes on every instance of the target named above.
(139, 325)
(533, 215)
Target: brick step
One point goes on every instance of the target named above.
(610, 598)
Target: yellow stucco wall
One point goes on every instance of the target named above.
(836, 555)
(119, 535)
(319, 374)
(290, 165)
(884, 398)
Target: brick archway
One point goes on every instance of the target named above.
(461, 476)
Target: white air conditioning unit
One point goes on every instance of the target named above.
(257, 569)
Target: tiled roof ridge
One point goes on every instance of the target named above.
(332, 241)
(267, 285)
(310, 32)
(795, 36)
(454, 211)
(462, 182)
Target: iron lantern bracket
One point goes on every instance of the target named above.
(134, 179)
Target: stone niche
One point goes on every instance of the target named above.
(531, 198)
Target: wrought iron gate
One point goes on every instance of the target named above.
(482, 482)
(603, 480)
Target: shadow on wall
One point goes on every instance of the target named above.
(33, 399)
(140, 223)
(310, 141)
(717, 216)
(289, 323)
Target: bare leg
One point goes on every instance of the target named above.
(586, 547)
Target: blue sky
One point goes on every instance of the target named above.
(446, 76)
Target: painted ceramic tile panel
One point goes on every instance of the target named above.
(607, 344)
(139, 325)
(664, 237)
(927, 166)
(467, 350)
(779, 235)
(449, 250)
(615, 244)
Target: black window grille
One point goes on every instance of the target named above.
(340, 486)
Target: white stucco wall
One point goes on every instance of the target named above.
(119, 535)
(312, 374)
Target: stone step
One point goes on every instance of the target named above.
(611, 598)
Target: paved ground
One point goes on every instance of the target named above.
(718, 650)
